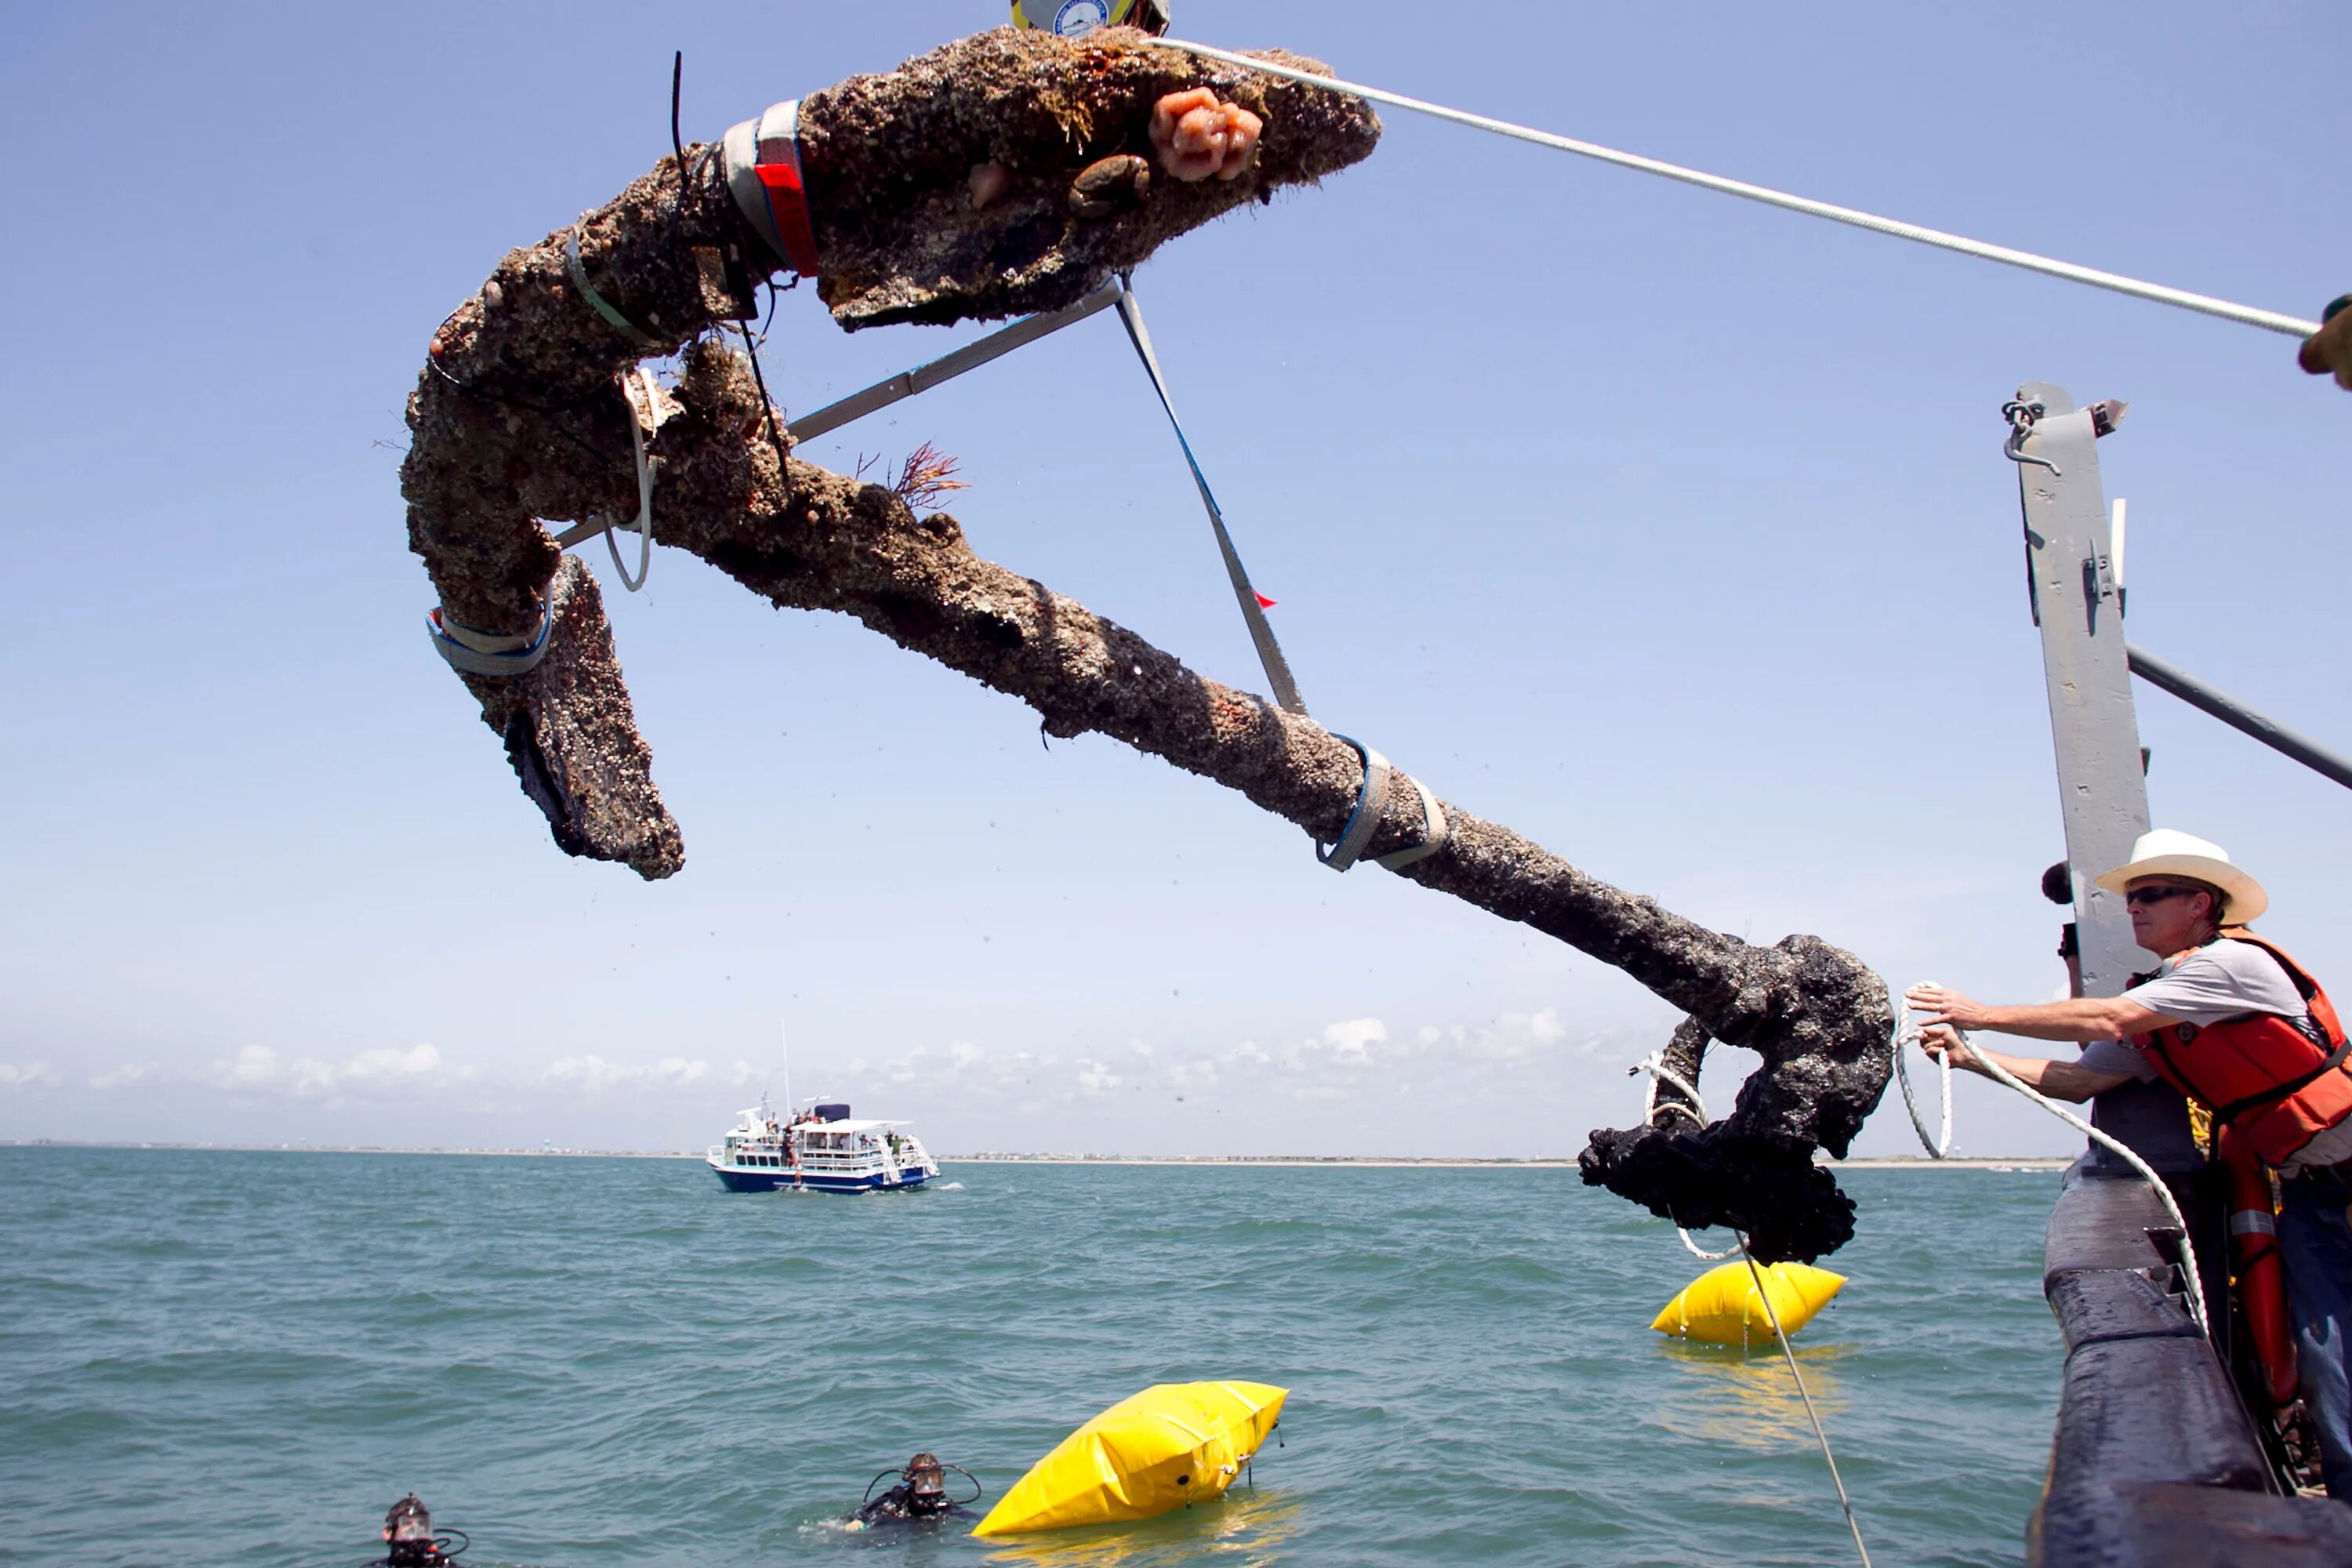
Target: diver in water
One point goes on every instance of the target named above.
(411, 1542)
(921, 1495)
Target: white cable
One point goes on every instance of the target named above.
(1940, 1148)
(2001, 1074)
(644, 523)
(1827, 1457)
(1655, 1065)
(2269, 320)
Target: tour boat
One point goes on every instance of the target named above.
(820, 1150)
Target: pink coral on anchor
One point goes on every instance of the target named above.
(1197, 136)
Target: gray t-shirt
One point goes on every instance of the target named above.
(2221, 980)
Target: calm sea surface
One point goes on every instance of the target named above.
(245, 1357)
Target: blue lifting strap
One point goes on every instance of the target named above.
(1269, 652)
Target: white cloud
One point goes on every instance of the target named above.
(390, 1066)
(1351, 1042)
(120, 1078)
(1520, 1055)
(28, 1075)
(255, 1065)
(262, 1068)
(593, 1074)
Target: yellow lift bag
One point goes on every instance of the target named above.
(1174, 1443)
(1721, 1306)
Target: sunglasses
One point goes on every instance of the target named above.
(2138, 895)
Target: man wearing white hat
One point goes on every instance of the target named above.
(2236, 1025)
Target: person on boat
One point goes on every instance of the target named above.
(2131, 1103)
(920, 1495)
(2233, 1022)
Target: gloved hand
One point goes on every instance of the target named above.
(2329, 349)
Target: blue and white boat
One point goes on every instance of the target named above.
(821, 1149)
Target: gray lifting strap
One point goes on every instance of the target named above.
(1365, 818)
(497, 655)
(1269, 652)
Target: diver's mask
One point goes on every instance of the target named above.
(927, 1485)
(408, 1537)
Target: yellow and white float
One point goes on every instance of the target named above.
(1723, 1307)
(1174, 1443)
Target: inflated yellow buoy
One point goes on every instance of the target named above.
(1721, 1306)
(1172, 1444)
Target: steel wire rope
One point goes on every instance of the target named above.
(1813, 1415)
(1654, 1064)
(2206, 304)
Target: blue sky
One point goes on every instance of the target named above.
(1670, 531)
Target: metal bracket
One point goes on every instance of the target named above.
(2103, 792)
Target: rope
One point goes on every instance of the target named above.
(1939, 1148)
(2245, 315)
(1810, 1415)
(1655, 1065)
(644, 520)
(1659, 1072)
(1269, 652)
(2001, 1074)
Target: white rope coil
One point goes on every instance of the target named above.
(2205, 304)
(1940, 1147)
(1905, 1032)
(1659, 1072)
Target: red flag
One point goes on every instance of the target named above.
(1262, 602)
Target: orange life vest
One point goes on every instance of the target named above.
(2275, 1082)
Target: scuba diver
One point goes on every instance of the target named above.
(411, 1542)
(921, 1496)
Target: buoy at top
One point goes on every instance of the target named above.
(1077, 18)
(1722, 1307)
(1174, 1444)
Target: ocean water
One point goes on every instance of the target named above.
(592, 1361)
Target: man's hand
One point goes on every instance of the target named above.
(2329, 349)
(1942, 1007)
(1940, 1040)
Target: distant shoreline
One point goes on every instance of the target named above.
(1279, 1161)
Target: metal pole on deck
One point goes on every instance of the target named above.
(2101, 786)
